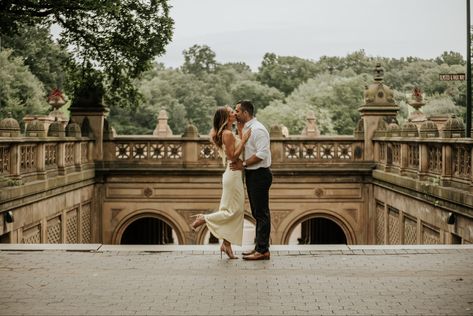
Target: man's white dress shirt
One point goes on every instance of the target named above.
(258, 144)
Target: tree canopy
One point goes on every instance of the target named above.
(110, 42)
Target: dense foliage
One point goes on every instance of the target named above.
(109, 42)
(283, 89)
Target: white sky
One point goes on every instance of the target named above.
(244, 30)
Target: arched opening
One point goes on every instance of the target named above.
(248, 234)
(317, 230)
(148, 231)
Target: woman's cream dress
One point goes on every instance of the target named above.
(227, 222)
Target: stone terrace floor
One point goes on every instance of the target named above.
(193, 280)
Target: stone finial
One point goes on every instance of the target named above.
(56, 129)
(191, 131)
(311, 129)
(428, 129)
(377, 93)
(9, 127)
(73, 130)
(378, 73)
(276, 131)
(453, 128)
(35, 128)
(162, 128)
(409, 129)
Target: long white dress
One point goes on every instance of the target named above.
(227, 222)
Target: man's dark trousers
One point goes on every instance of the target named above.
(258, 183)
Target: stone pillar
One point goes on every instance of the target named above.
(378, 104)
(311, 129)
(190, 145)
(162, 128)
(404, 163)
(277, 145)
(91, 107)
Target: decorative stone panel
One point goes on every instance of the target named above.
(27, 158)
(54, 230)
(435, 159)
(86, 227)
(461, 160)
(32, 235)
(413, 156)
(410, 231)
(72, 227)
(4, 159)
(207, 151)
(430, 235)
(394, 231)
(379, 229)
(50, 155)
(69, 154)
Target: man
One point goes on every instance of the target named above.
(256, 163)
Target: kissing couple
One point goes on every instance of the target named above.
(252, 142)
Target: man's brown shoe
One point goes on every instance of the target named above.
(247, 253)
(258, 256)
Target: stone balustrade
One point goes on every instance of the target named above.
(175, 151)
(26, 159)
(445, 161)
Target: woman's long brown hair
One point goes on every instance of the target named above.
(219, 124)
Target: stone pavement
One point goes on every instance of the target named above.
(193, 280)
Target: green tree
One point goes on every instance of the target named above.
(261, 95)
(285, 73)
(450, 58)
(40, 53)
(199, 60)
(333, 98)
(111, 42)
(21, 92)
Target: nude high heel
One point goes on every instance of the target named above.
(228, 251)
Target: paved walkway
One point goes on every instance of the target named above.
(192, 280)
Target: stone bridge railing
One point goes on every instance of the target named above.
(181, 152)
(446, 162)
(26, 159)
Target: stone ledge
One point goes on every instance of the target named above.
(278, 249)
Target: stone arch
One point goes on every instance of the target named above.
(153, 213)
(328, 214)
(201, 233)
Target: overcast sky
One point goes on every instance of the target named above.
(244, 30)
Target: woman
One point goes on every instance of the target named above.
(227, 222)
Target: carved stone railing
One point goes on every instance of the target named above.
(445, 161)
(134, 152)
(25, 159)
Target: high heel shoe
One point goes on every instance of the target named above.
(200, 220)
(228, 251)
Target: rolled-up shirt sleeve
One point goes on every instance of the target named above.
(262, 144)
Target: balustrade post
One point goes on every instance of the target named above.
(77, 156)
(41, 161)
(90, 152)
(190, 146)
(61, 158)
(15, 161)
(446, 164)
(404, 158)
(423, 160)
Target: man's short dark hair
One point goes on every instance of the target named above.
(247, 106)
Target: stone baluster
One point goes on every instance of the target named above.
(404, 158)
(190, 145)
(61, 158)
(77, 156)
(41, 161)
(446, 176)
(423, 160)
